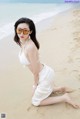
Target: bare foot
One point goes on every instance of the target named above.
(65, 90)
(69, 101)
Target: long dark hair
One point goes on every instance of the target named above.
(31, 27)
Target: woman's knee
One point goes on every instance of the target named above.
(35, 103)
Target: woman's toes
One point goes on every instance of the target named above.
(67, 90)
(76, 106)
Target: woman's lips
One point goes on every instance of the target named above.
(21, 36)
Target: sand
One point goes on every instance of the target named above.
(60, 49)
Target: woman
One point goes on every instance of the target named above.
(25, 37)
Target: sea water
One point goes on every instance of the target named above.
(11, 12)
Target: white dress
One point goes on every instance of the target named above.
(46, 81)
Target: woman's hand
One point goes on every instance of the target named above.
(33, 89)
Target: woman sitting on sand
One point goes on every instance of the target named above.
(43, 87)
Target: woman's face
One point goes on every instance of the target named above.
(23, 31)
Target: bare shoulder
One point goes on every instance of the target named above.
(31, 48)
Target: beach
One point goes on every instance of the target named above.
(60, 49)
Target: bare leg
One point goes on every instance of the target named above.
(62, 89)
(59, 99)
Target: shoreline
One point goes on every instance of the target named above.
(43, 17)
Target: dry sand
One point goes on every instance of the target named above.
(60, 49)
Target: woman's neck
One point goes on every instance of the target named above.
(24, 43)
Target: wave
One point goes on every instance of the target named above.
(8, 28)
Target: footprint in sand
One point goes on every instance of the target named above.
(76, 25)
(37, 110)
(79, 76)
(77, 59)
(75, 73)
(70, 60)
(32, 108)
(76, 34)
(77, 39)
(77, 46)
(28, 109)
(76, 12)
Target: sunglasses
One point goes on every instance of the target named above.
(24, 31)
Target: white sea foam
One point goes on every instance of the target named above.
(8, 29)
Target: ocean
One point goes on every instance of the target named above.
(11, 12)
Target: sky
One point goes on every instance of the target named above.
(34, 1)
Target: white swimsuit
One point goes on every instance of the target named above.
(23, 59)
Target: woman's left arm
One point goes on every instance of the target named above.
(33, 58)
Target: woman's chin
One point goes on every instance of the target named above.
(22, 40)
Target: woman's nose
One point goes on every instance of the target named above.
(22, 33)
